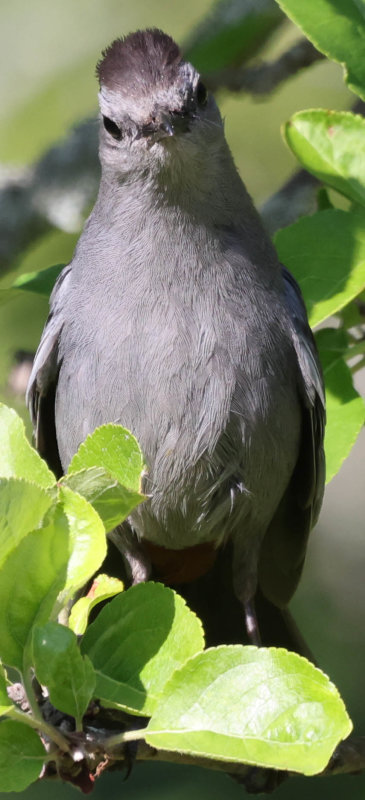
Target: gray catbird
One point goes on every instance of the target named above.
(176, 320)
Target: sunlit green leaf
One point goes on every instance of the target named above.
(112, 501)
(59, 665)
(116, 450)
(103, 588)
(87, 541)
(17, 458)
(331, 145)
(262, 706)
(30, 580)
(137, 641)
(336, 29)
(21, 756)
(326, 254)
(345, 407)
(59, 559)
(23, 506)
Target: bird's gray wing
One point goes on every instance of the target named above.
(284, 547)
(42, 383)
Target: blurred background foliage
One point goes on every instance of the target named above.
(49, 52)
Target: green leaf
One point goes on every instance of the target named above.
(21, 756)
(337, 29)
(351, 315)
(18, 459)
(41, 282)
(326, 254)
(59, 559)
(262, 706)
(116, 450)
(103, 588)
(232, 32)
(136, 642)
(59, 665)
(323, 200)
(87, 541)
(331, 145)
(345, 407)
(30, 580)
(5, 702)
(333, 344)
(112, 501)
(53, 247)
(23, 506)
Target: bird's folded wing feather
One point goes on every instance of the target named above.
(42, 384)
(284, 547)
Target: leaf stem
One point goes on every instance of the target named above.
(122, 738)
(41, 725)
(31, 696)
(359, 365)
(356, 349)
(78, 724)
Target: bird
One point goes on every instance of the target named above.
(176, 319)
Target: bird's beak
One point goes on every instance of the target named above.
(166, 126)
(172, 124)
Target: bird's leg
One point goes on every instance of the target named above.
(244, 568)
(252, 627)
(137, 563)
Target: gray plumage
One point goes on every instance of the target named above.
(176, 320)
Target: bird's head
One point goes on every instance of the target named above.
(154, 106)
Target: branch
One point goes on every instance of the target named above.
(264, 78)
(54, 192)
(113, 739)
(296, 198)
(58, 188)
(349, 758)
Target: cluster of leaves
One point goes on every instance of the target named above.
(144, 654)
(326, 251)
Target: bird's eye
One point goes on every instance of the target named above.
(201, 94)
(112, 128)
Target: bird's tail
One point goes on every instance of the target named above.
(213, 599)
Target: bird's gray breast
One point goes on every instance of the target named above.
(201, 373)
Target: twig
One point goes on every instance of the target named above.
(64, 182)
(348, 758)
(58, 188)
(264, 78)
(53, 193)
(296, 198)
(41, 726)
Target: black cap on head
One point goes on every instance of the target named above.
(145, 57)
